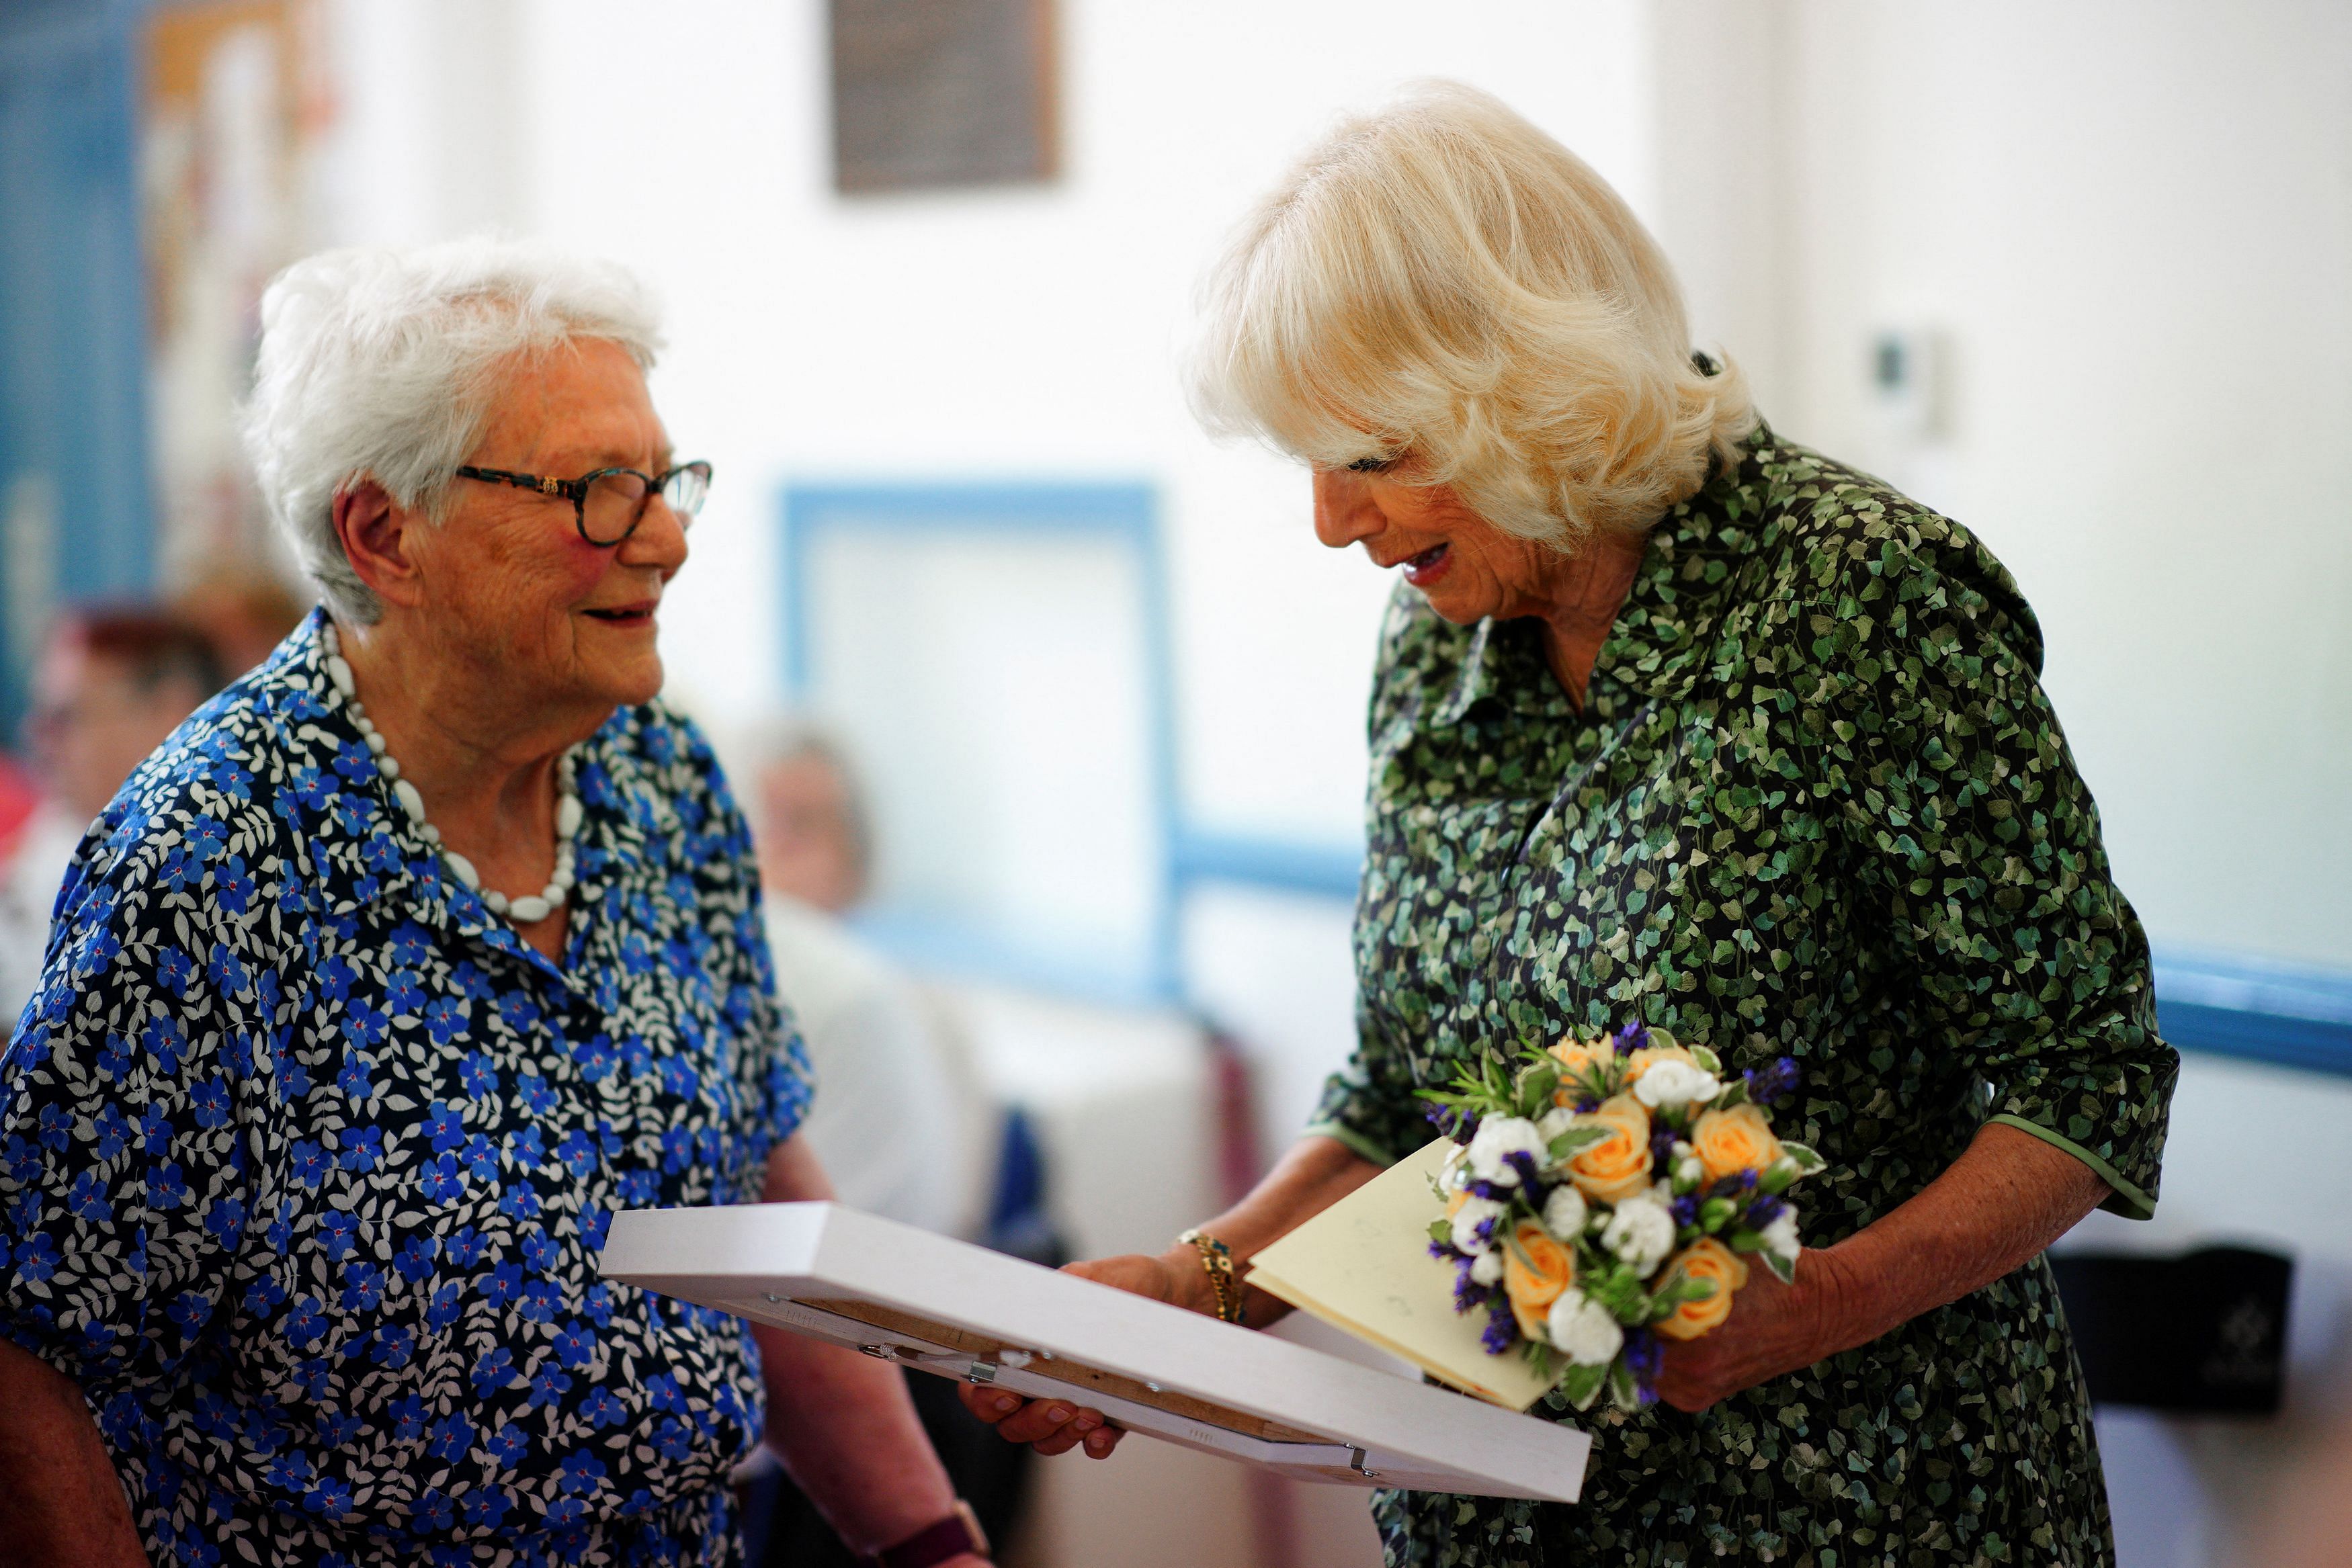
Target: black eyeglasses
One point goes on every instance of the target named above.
(609, 503)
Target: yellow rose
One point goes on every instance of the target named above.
(1577, 1057)
(1536, 1269)
(1705, 1259)
(1739, 1139)
(1617, 1166)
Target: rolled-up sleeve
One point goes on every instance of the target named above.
(1976, 843)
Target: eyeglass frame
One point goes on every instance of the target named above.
(576, 492)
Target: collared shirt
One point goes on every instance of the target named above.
(306, 1158)
(1817, 806)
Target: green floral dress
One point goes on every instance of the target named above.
(1817, 806)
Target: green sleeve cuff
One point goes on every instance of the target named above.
(2126, 1199)
(1355, 1141)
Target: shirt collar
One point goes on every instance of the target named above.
(1660, 638)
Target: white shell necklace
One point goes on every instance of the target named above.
(527, 910)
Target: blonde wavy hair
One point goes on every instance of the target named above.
(1439, 280)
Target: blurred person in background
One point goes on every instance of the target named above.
(903, 1125)
(902, 1121)
(389, 979)
(112, 682)
(1676, 722)
(245, 613)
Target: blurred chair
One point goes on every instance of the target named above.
(2203, 1333)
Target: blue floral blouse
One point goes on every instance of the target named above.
(306, 1158)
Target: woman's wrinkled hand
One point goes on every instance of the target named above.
(1773, 1329)
(1058, 1425)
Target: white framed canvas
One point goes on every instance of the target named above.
(948, 1308)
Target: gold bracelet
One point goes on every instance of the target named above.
(1217, 1262)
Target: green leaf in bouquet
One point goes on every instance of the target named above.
(1576, 1140)
(1707, 1059)
(1665, 1040)
(1745, 1240)
(1677, 1290)
(1807, 1160)
(1622, 1390)
(1733, 1093)
(1783, 1269)
(1542, 1357)
(1776, 1177)
(1581, 1384)
(1715, 1213)
(1440, 1230)
(1536, 1085)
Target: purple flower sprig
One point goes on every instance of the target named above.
(1644, 1358)
(1468, 1293)
(1458, 1124)
(1775, 1082)
(1502, 1329)
(1634, 1037)
(1764, 1211)
(1736, 1184)
(1661, 1147)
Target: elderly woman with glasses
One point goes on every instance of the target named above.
(1676, 722)
(388, 978)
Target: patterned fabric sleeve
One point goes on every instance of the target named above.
(1370, 1104)
(1975, 835)
(125, 1187)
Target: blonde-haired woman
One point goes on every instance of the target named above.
(1678, 722)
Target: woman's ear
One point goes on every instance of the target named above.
(378, 535)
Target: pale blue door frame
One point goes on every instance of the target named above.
(73, 327)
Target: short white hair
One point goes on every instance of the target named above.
(383, 364)
(1439, 278)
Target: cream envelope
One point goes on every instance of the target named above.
(1363, 1265)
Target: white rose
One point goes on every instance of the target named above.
(1583, 1330)
(1780, 1236)
(1474, 1212)
(1500, 1137)
(1672, 1083)
(1564, 1212)
(1641, 1233)
(1487, 1268)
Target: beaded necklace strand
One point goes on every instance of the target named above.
(527, 909)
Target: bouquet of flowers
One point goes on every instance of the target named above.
(1610, 1192)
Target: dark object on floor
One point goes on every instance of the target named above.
(2204, 1332)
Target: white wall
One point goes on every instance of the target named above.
(2133, 221)
(1024, 332)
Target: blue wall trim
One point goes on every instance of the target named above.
(1275, 866)
(2258, 1009)
(73, 330)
